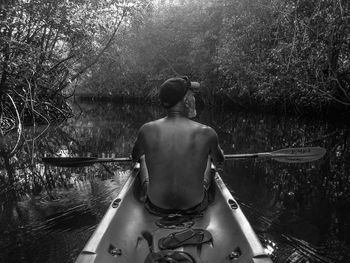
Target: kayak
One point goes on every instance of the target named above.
(129, 233)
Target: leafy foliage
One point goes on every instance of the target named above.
(45, 47)
(171, 40)
(291, 54)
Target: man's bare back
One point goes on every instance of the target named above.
(176, 151)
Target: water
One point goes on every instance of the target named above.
(299, 211)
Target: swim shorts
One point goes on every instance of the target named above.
(195, 210)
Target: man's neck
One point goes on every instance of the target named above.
(176, 114)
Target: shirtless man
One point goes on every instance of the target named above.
(177, 149)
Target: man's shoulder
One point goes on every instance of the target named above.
(151, 125)
(191, 125)
(203, 128)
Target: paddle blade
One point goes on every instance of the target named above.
(80, 161)
(69, 161)
(299, 155)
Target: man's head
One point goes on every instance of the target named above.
(179, 89)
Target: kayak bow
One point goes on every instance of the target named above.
(129, 233)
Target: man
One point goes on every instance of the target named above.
(176, 151)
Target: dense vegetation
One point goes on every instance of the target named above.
(290, 54)
(45, 47)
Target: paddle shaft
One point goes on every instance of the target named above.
(71, 160)
(227, 156)
(110, 160)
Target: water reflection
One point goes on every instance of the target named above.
(299, 211)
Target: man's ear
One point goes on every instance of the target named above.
(186, 102)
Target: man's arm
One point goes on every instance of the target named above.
(215, 151)
(137, 152)
(138, 149)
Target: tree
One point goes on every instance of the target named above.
(46, 46)
(176, 38)
(294, 52)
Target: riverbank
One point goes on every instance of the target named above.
(330, 112)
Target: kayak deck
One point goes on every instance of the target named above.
(118, 237)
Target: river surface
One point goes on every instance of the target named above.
(300, 212)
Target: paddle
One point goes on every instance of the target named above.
(289, 155)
